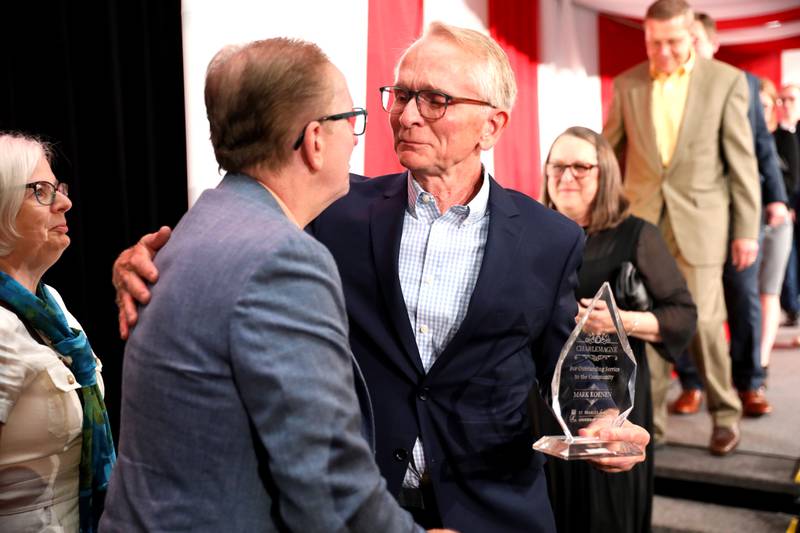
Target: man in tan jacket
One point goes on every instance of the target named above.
(679, 124)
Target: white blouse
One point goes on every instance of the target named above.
(40, 444)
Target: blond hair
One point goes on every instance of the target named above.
(767, 87)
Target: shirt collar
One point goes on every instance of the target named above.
(686, 68)
(476, 209)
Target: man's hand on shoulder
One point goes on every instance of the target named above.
(131, 272)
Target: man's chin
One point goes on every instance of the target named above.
(410, 160)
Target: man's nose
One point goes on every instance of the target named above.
(410, 113)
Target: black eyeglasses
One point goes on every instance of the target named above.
(357, 119)
(45, 192)
(579, 170)
(431, 104)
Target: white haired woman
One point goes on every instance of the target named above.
(56, 451)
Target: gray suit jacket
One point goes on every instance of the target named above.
(239, 411)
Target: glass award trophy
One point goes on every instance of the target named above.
(593, 387)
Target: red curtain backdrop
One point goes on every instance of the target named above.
(392, 27)
(762, 59)
(620, 46)
(758, 20)
(515, 25)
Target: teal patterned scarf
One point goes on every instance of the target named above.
(42, 313)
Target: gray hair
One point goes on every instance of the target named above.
(492, 74)
(19, 155)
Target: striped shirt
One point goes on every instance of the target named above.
(440, 258)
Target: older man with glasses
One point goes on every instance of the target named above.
(460, 295)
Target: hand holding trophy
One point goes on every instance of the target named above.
(593, 387)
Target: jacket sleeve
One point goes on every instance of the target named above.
(293, 367)
(737, 146)
(772, 187)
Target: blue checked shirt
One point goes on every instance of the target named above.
(440, 257)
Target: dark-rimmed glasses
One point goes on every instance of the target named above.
(45, 192)
(579, 170)
(431, 104)
(357, 119)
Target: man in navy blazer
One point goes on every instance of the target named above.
(459, 293)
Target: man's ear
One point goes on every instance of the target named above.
(493, 127)
(313, 146)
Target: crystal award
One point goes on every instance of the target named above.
(593, 387)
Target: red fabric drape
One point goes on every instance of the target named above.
(620, 46)
(392, 27)
(762, 59)
(759, 20)
(515, 25)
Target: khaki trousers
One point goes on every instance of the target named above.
(708, 348)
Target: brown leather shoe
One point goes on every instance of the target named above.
(724, 440)
(754, 402)
(688, 403)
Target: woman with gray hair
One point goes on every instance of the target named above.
(56, 451)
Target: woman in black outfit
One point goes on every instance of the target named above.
(585, 184)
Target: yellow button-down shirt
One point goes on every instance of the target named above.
(669, 100)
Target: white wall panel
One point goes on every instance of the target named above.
(569, 85)
(339, 28)
(790, 67)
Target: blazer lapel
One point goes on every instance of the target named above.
(642, 102)
(501, 248)
(691, 111)
(386, 229)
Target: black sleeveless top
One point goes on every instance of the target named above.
(604, 253)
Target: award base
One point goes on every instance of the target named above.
(582, 448)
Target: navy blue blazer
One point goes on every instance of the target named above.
(471, 408)
(772, 187)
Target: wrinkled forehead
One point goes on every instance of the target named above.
(435, 62)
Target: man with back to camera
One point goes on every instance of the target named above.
(679, 122)
(460, 295)
(742, 298)
(239, 411)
